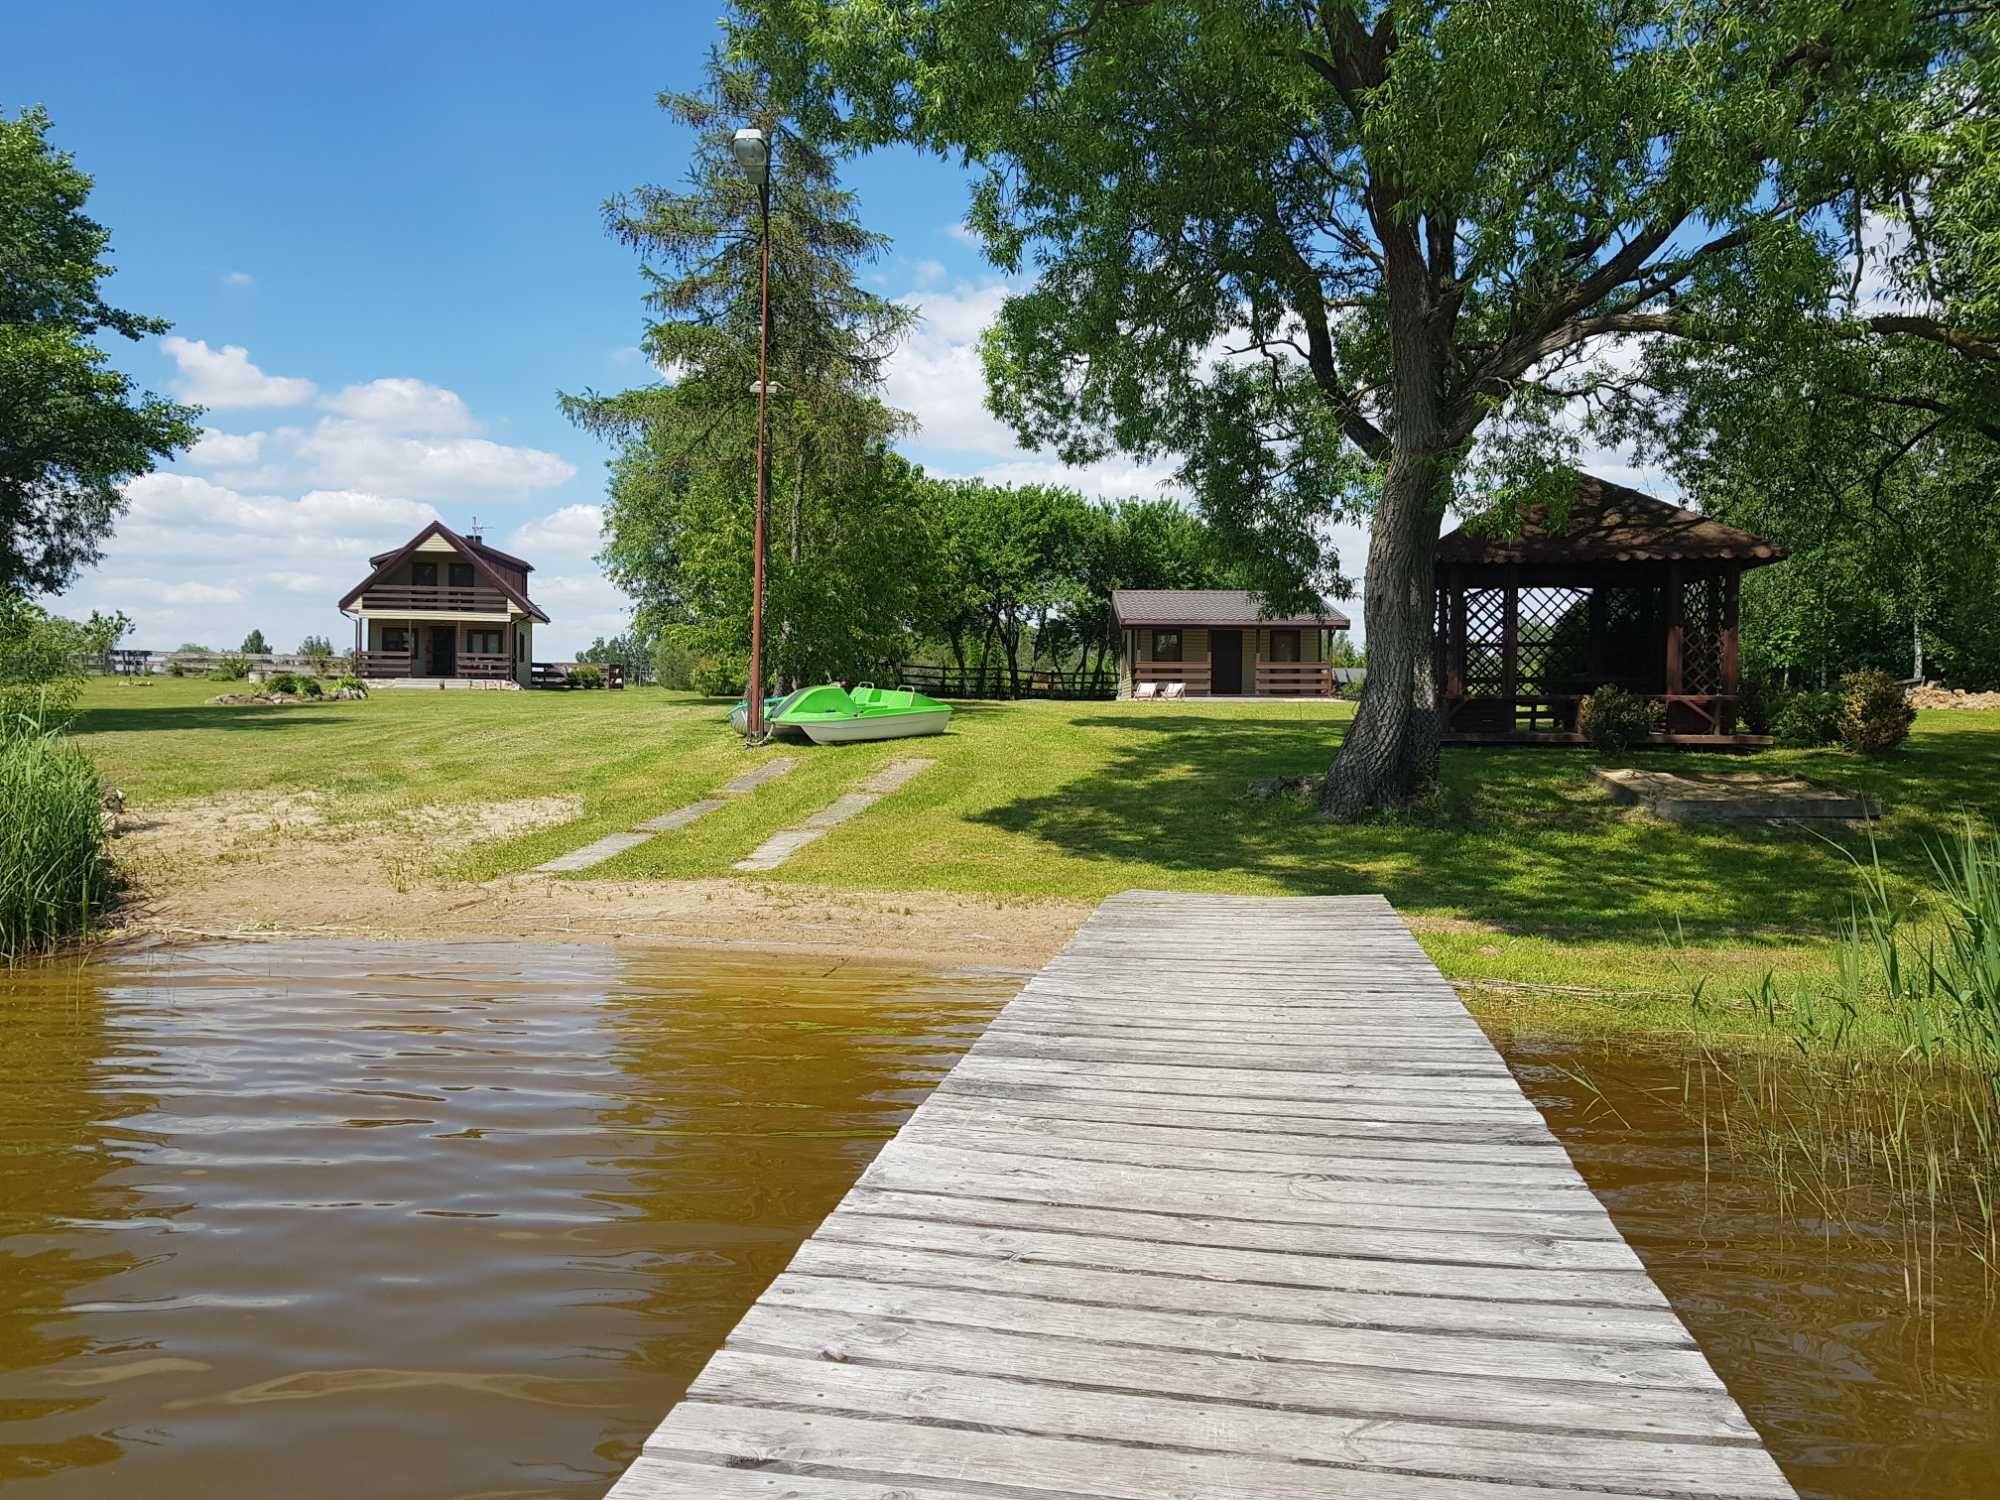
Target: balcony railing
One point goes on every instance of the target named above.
(418, 664)
(1296, 679)
(423, 597)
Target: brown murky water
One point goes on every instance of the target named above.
(459, 1223)
(309, 1220)
(1870, 1376)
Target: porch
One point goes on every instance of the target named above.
(433, 651)
(1220, 643)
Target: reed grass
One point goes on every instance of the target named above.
(53, 868)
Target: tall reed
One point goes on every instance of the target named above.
(53, 867)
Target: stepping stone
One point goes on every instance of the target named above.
(592, 854)
(749, 781)
(780, 847)
(680, 817)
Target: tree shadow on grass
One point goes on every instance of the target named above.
(261, 716)
(1521, 839)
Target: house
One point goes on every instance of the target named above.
(444, 608)
(1220, 643)
(1625, 589)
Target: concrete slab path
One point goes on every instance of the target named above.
(781, 846)
(666, 822)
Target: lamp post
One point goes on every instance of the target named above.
(753, 157)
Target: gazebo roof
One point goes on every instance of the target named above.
(1608, 522)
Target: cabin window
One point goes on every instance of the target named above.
(1284, 645)
(487, 641)
(394, 639)
(1166, 645)
(424, 575)
(461, 575)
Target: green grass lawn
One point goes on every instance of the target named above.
(1520, 871)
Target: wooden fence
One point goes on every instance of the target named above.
(994, 682)
(557, 674)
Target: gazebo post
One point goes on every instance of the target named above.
(1510, 644)
(1732, 669)
(1674, 634)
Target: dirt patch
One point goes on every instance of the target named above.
(1930, 695)
(249, 865)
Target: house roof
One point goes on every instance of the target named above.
(1223, 607)
(480, 556)
(1609, 522)
(470, 544)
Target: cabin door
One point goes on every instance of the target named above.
(1225, 661)
(444, 651)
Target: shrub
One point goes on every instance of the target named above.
(53, 873)
(311, 688)
(318, 652)
(1612, 719)
(1874, 714)
(1753, 705)
(1805, 720)
(229, 669)
(717, 679)
(281, 682)
(351, 685)
(586, 677)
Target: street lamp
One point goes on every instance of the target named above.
(752, 149)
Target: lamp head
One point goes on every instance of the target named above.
(753, 154)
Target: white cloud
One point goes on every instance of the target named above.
(1114, 479)
(575, 531)
(406, 406)
(225, 450)
(936, 375)
(238, 278)
(930, 273)
(225, 377)
(963, 234)
(160, 591)
(340, 451)
(628, 354)
(302, 583)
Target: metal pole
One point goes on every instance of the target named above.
(755, 693)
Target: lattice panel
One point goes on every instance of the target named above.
(1554, 651)
(1701, 636)
(1485, 642)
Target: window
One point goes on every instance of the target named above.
(1284, 645)
(461, 575)
(424, 574)
(1166, 645)
(395, 639)
(487, 641)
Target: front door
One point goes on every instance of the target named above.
(1225, 661)
(444, 651)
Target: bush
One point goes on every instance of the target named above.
(586, 677)
(1753, 705)
(717, 679)
(1874, 714)
(674, 662)
(1612, 719)
(229, 669)
(351, 685)
(281, 682)
(1806, 720)
(311, 688)
(53, 873)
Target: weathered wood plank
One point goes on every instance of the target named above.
(1233, 1200)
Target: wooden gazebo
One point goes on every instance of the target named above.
(1627, 590)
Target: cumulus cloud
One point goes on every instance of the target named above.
(161, 591)
(575, 531)
(302, 583)
(225, 450)
(403, 405)
(936, 374)
(358, 453)
(225, 377)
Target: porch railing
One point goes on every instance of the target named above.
(382, 663)
(1194, 673)
(1296, 679)
(483, 664)
(426, 597)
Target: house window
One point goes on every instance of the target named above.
(1166, 645)
(487, 641)
(424, 575)
(394, 639)
(461, 575)
(1284, 645)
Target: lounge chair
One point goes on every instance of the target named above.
(1175, 691)
(1145, 691)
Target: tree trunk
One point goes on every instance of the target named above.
(1391, 749)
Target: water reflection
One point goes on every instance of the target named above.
(1866, 1381)
(318, 1220)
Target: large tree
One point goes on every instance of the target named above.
(1326, 250)
(72, 429)
(682, 493)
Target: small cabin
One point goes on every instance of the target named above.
(1624, 589)
(1220, 643)
(444, 608)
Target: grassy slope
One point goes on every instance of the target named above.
(1521, 871)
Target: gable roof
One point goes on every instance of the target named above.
(479, 556)
(466, 544)
(1610, 522)
(1223, 607)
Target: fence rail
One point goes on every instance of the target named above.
(995, 682)
(558, 674)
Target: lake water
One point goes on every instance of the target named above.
(460, 1223)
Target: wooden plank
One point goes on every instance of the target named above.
(1233, 1200)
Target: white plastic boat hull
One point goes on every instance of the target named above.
(880, 727)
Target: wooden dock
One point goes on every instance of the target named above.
(1233, 1202)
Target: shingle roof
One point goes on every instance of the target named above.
(478, 556)
(1610, 523)
(1224, 607)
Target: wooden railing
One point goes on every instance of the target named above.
(1194, 673)
(484, 664)
(1682, 715)
(382, 664)
(1298, 679)
(557, 674)
(425, 597)
(994, 681)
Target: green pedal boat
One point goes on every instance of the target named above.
(830, 715)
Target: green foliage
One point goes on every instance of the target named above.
(229, 669)
(42, 656)
(282, 682)
(674, 660)
(1875, 714)
(1754, 703)
(586, 677)
(1806, 719)
(311, 688)
(318, 652)
(719, 677)
(254, 645)
(53, 870)
(351, 685)
(72, 429)
(1612, 719)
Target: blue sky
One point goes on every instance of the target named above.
(377, 232)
